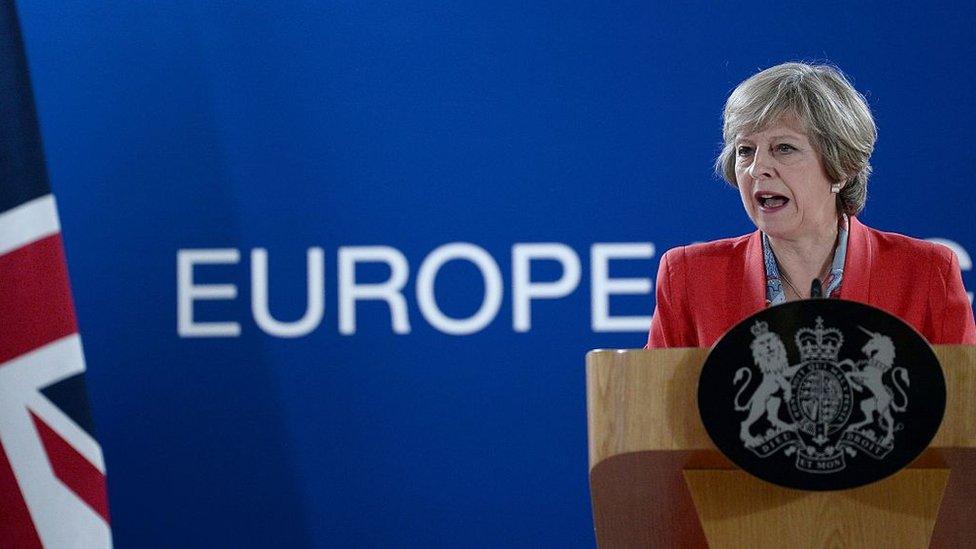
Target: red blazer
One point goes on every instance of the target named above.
(705, 289)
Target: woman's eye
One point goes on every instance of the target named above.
(784, 148)
(743, 150)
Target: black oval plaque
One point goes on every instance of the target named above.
(821, 394)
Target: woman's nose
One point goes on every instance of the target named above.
(760, 168)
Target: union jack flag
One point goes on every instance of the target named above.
(52, 473)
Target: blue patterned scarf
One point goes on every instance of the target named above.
(775, 294)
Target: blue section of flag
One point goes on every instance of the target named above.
(23, 175)
(52, 472)
(71, 396)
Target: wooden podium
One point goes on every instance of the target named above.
(656, 479)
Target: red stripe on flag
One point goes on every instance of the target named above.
(76, 472)
(35, 298)
(16, 527)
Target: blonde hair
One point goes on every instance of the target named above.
(836, 117)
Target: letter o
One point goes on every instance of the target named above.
(490, 272)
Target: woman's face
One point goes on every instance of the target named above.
(782, 181)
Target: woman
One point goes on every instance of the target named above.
(798, 139)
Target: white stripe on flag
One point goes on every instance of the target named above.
(22, 377)
(28, 222)
(62, 519)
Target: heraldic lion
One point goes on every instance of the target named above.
(769, 354)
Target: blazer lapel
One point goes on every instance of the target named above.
(856, 285)
(751, 293)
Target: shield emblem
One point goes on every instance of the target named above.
(821, 394)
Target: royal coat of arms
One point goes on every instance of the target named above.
(823, 409)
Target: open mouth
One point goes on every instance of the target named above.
(770, 201)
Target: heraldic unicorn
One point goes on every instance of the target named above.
(822, 408)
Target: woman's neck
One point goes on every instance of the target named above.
(803, 259)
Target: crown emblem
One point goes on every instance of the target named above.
(759, 328)
(819, 343)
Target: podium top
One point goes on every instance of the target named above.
(646, 400)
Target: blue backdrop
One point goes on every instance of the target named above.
(175, 127)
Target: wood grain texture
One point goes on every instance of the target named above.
(959, 424)
(737, 510)
(643, 400)
(644, 431)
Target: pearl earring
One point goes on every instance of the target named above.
(835, 188)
